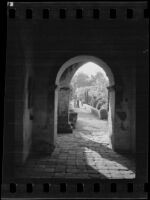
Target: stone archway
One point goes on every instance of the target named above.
(62, 84)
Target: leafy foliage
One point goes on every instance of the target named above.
(91, 90)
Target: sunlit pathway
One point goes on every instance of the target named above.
(84, 154)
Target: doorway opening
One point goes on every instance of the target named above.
(88, 102)
(98, 94)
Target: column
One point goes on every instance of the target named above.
(111, 113)
(63, 108)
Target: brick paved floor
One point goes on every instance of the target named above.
(84, 154)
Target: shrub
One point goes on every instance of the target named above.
(104, 106)
(103, 114)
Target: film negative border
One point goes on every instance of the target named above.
(97, 188)
(89, 188)
(82, 12)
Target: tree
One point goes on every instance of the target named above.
(81, 80)
(93, 90)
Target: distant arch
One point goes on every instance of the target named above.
(85, 59)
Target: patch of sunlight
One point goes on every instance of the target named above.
(103, 165)
(89, 128)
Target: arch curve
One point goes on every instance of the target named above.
(84, 59)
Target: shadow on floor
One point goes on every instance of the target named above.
(125, 159)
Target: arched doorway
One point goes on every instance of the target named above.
(74, 155)
(62, 82)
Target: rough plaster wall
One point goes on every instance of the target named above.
(14, 100)
(40, 102)
(27, 45)
(122, 128)
(27, 122)
(19, 111)
(43, 101)
(125, 109)
(18, 69)
(133, 113)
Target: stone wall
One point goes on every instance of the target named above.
(18, 109)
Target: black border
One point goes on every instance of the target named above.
(142, 116)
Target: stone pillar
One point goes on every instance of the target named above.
(111, 113)
(52, 120)
(63, 108)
